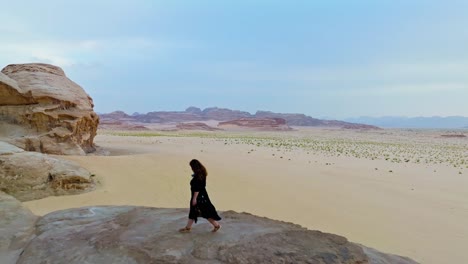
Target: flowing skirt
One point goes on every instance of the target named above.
(204, 208)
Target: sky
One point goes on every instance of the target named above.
(324, 58)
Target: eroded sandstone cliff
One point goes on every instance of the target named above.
(42, 110)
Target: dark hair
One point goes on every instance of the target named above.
(198, 169)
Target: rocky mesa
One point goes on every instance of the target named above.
(192, 114)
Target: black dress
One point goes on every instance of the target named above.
(204, 205)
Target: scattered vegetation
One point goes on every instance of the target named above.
(391, 149)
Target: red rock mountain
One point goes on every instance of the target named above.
(224, 114)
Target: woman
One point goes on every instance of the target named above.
(200, 204)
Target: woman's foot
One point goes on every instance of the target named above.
(185, 229)
(216, 228)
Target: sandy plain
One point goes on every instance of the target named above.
(399, 191)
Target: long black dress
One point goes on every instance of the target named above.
(203, 201)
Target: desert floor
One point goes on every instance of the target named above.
(399, 191)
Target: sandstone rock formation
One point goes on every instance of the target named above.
(303, 120)
(270, 124)
(116, 115)
(31, 175)
(215, 113)
(42, 110)
(17, 228)
(128, 234)
(196, 126)
(193, 110)
(293, 119)
(224, 114)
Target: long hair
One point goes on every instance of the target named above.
(198, 169)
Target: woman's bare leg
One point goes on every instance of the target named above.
(187, 227)
(189, 223)
(215, 224)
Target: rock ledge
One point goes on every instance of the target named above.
(129, 234)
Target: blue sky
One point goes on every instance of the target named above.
(325, 58)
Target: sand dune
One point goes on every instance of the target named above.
(406, 208)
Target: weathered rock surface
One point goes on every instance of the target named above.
(42, 110)
(32, 175)
(111, 234)
(271, 124)
(377, 257)
(17, 228)
(224, 114)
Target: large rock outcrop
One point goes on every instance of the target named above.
(17, 228)
(128, 234)
(32, 175)
(42, 110)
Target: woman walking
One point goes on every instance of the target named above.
(200, 204)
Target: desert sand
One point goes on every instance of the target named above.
(399, 191)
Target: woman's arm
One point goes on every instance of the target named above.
(194, 199)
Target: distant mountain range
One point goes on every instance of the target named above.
(452, 122)
(222, 114)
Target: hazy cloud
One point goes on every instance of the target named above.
(66, 53)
